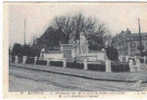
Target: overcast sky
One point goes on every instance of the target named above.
(117, 16)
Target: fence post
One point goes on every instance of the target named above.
(85, 64)
(24, 59)
(64, 63)
(108, 65)
(35, 59)
(16, 59)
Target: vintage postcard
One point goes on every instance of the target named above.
(75, 49)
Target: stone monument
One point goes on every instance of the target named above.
(75, 49)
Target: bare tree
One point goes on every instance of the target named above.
(72, 26)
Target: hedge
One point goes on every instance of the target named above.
(97, 67)
(120, 68)
(56, 63)
(20, 59)
(13, 59)
(30, 60)
(75, 65)
(41, 62)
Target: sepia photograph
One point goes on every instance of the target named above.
(85, 47)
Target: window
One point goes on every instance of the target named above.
(133, 45)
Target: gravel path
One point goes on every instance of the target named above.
(28, 80)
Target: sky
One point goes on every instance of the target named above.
(38, 16)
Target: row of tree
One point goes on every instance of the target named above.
(31, 51)
(65, 29)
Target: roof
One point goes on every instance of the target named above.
(124, 36)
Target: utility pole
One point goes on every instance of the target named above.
(140, 47)
(24, 31)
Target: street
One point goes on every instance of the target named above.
(21, 79)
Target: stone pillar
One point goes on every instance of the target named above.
(135, 58)
(108, 65)
(120, 58)
(131, 65)
(16, 59)
(85, 64)
(35, 59)
(48, 62)
(64, 63)
(138, 65)
(145, 59)
(24, 59)
(127, 58)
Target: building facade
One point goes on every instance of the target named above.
(127, 43)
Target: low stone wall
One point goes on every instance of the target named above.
(106, 66)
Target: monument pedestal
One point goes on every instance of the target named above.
(69, 52)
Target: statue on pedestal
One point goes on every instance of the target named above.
(83, 45)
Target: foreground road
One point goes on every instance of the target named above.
(21, 79)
